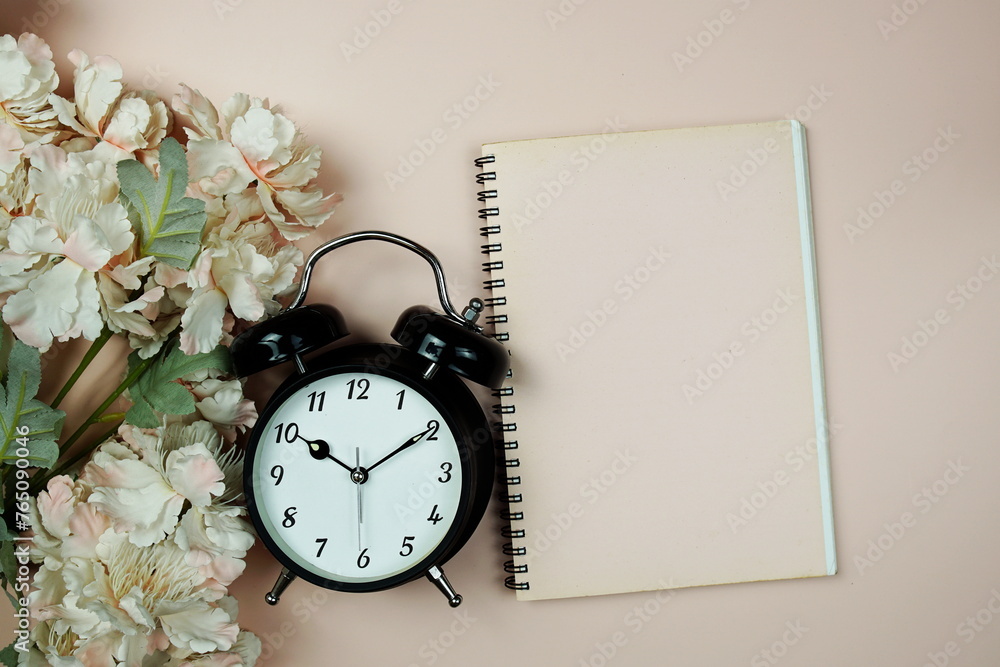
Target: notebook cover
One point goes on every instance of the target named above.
(667, 379)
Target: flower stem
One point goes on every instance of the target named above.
(92, 352)
(96, 416)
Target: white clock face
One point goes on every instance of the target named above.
(357, 477)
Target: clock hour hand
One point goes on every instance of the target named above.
(409, 443)
(320, 449)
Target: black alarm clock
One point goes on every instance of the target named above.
(372, 464)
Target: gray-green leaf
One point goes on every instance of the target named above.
(28, 427)
(156, 390)
(8, 656)
(168, 224)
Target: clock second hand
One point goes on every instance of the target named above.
(357, 462)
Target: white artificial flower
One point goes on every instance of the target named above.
(27, 79)
(244, 653)
(143, 497)
(125, 121)
(223, 404)
(144, 589)
(77, 228)
(251, 145)
(240, 270)
(53, 648)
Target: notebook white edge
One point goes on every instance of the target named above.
(815, 345)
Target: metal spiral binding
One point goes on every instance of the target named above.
(493, 266)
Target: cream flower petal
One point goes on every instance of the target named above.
(136, 499)
(60, 302)
(86, 244)
(233, 108)
(27, 78)
(299, 172)
(97, 85)
(194, 473)
(218, 167)
(201, 628)
(11, 146)
(223, 403)
(309, 206)
(128, 124)
(201, 322)
(242, 293)
(207, 534)
(86, 525)
(192, 105)
(33, 237)
(263, 137)
(56, 505)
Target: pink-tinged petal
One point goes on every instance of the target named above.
(201, 628)
(129, 276)
(223, 403)
(97, 85)
(200, 273)
(86, 525)
(201, 323)
(128, 124)
(169, 276)
(309, 207)
(263, 137)
(87, 245)
(244, 297)
(56, 504)
(195, 107)
(234, 107)
(218, 167)
(113, 220)
(194, 473)
(299, 172)
(60, 302)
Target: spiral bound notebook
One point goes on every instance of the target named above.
(664, 422)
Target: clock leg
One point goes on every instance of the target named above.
(436, 575)
(280, 585)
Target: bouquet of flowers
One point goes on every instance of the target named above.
(111, 229)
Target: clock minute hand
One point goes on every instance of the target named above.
(409, 443)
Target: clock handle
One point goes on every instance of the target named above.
(436, 575)
(284, 579)
(467, 317)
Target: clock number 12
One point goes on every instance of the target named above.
(362, 386)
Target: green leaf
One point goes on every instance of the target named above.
(8, 656)
(28, 428)
(168, 224)
(8, 561)
(156, 390)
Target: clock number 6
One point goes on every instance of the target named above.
(407, 547)
(364, 560)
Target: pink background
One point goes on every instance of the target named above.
(872, 93)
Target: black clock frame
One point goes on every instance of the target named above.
(463, 415)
